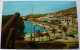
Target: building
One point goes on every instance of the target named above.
(23, 17)
(66, 21)
(32, 18)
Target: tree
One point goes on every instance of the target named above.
(19, 26)
(47, 34)
(54, 31)
(38, 32)
(64, 29)
(5, 19)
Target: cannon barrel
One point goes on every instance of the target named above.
(6, 29)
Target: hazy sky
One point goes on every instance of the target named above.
(39, 7)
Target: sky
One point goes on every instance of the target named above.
(35, 7)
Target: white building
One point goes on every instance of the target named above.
(66, 21)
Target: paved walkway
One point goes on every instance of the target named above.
(70, 39)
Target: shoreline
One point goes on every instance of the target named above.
(48, 29)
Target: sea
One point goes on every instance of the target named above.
(31, 29)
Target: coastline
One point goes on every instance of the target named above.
(48, 29)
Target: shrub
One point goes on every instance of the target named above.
(59, 37)
(70, 35)
(51, 40)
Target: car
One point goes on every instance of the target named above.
(60, 32)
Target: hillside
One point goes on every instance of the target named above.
(66, 12)
(36, 15)
(69, 12)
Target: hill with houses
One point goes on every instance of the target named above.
(66, 12)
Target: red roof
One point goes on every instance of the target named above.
(59, 20)
(66, 18)
(59, 27)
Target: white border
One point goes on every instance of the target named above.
(1, 5)
(78, 14)
(39, 0)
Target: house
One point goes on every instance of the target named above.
(66, 21)
(76, 20)
(50, 15)
(32, 18)
(23, 17)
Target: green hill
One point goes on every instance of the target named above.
(66, 12)
(36, 15)
(69, 12)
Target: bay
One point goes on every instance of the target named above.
(29, 28)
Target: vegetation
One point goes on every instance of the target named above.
(18, 25)
(59, 37)
(47, 34)
(64, 29)
(54, 31)
(5, 19)
(66, 12)
(69, 12)
(70, 35)
(51, 39)
(36, 15)
(38, 32)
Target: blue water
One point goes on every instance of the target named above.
(29, 28)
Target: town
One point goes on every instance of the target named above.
(58, 26)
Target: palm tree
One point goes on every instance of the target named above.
(49, 37)
(47, 34)
(54, 31)
(38, 32)
(64, 29)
